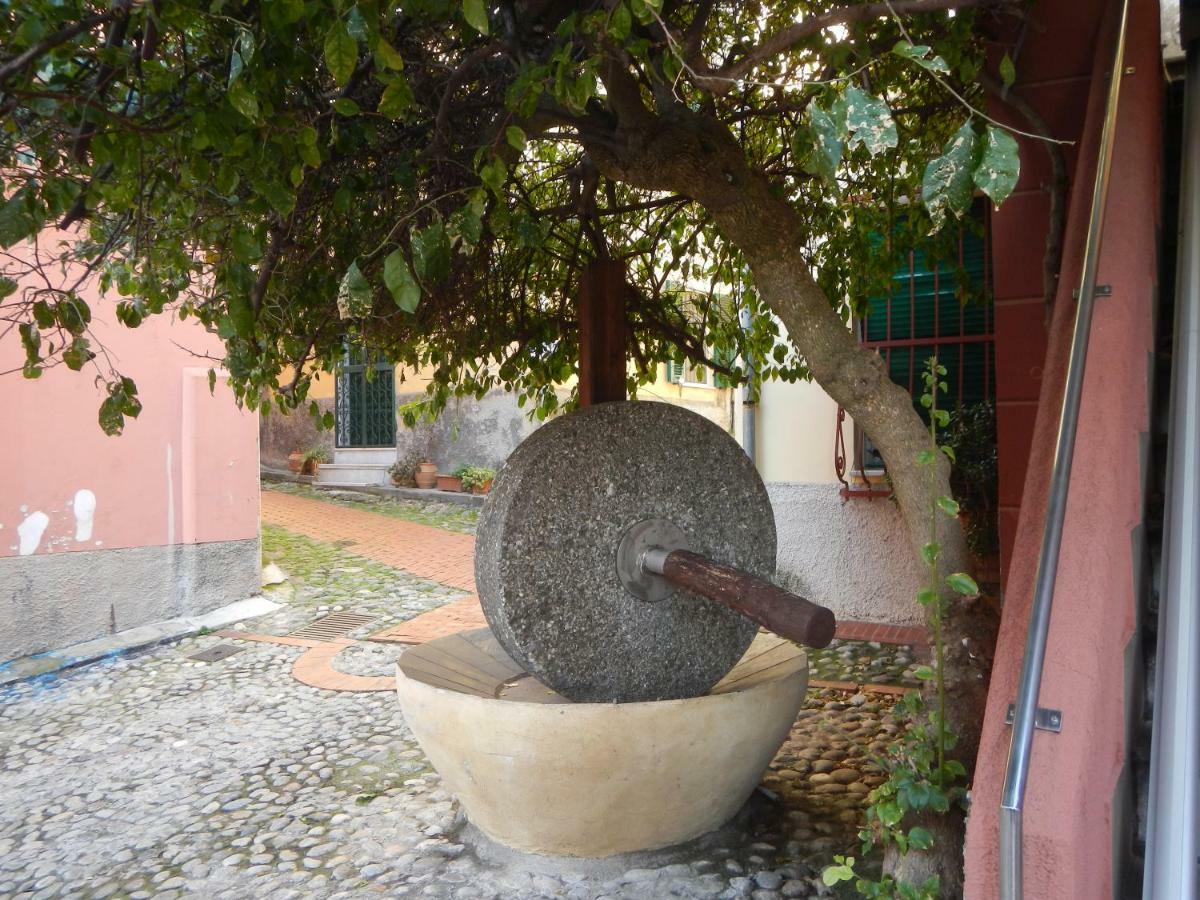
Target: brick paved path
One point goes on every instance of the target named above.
(427, 552)
(442, 556)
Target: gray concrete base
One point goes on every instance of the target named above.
(132, 639)
(55, 600)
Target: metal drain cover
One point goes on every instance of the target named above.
(217, 653)
(332, 626)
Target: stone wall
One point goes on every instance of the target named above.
(280, 434)
(850, 555)
(469, 432)
(54, 600)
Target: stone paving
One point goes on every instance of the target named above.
(154, 775)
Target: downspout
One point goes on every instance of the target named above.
(749, 404)
(1016, 776)
(1174, 794)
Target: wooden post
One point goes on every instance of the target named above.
(602, 333)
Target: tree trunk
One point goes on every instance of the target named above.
(688, 154)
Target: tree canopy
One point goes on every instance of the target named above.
(426, 178)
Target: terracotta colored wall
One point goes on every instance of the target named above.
(1054, 73)
(185, 471)
(1070, 809)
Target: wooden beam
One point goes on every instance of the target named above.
(602, 333)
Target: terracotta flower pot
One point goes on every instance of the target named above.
(483, 488)
(295, 462)
(310, 467)
(426, 476)
(449, 483)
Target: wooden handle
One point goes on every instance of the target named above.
(775, 609)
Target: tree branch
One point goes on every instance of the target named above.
(64, 34)
(722, 80)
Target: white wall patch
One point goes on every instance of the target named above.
(30, 532)
(84, 505)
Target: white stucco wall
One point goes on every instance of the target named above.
(795, 425)
(850, 555)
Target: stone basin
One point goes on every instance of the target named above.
(540, 774)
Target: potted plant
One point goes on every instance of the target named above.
(313, 459)
(426, 475)
(477, 479)
(404, 471)
(451, 482)
(296, 462)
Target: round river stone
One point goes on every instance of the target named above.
(545, 552)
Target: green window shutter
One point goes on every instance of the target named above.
(674, 371)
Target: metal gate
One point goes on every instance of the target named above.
(365, 401)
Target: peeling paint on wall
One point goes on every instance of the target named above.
(30, 532)
(84, 505)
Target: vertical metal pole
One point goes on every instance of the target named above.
(1174, 795)
(1017, 772)
(749, 407)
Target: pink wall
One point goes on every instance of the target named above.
(184, 471)
(1070, 809)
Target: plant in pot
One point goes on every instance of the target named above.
(451, 482)
(477, 479)
(403, 471)
(313, 459)
(295, 462)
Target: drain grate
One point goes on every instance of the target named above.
(334, 625)
(217, 653)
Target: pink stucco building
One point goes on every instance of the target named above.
(99, 534)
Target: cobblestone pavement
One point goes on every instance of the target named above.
(158, 776)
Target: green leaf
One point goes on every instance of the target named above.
(825, 152)
(241, 314)
(341, 53)
(926, 596)
(243, 100)
(431, 253)
(400, 282)
(397, 98)
(1008, 72)
(306, 146)
(919, 53)
(962, 583)
(476, 15)
(947, 184)
(999, 165)
(925, 673)
(121, 401)
(354, 294)
(948, 506)
(889, 813)
(620, 23)
(869, 121)
(930, 551)
(7, 287)
(919, 838)
(926, 457)
(949, 451)
(494, 174)
(346, 107)
(387, 56)
(834, 874)
(77, 354)
(515, 137)
(281, 199)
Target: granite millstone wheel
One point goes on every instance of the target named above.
(545, 559)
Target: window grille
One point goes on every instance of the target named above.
(922, 315)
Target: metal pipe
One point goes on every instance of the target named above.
(1017, 771)
(1174, 795)
(748, 403)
